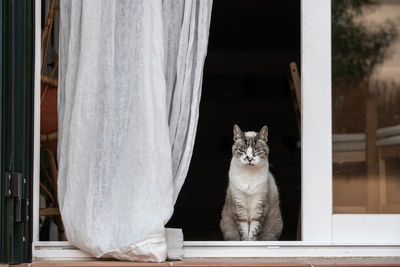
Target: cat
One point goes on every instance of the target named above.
(251, 210)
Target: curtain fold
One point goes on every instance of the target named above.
(129, 91)
(186, 39)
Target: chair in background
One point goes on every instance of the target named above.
(295, 89)
(388, 144)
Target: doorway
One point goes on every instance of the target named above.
(246, 82)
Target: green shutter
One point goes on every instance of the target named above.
(16, 115)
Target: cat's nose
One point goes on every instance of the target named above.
(249, 158)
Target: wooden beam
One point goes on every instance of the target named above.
(349, 156)
(372, 154)
(49, 211)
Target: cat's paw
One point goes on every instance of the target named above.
(252, 238)
(244, 237)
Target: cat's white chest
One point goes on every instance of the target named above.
(249, 182)
(250, 187)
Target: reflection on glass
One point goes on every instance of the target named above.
(366, 106)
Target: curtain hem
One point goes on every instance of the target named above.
(149, 250)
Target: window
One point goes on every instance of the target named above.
(365, 121)
(323, 233)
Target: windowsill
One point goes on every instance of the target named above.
(58, 251)
(225, 262)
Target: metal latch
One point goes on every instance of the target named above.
(13, 189)
(13, 185)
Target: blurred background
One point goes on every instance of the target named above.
(366, 106)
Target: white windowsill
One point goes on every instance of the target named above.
(239, 249)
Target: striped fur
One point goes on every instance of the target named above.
(251, 210)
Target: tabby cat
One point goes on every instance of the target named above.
(251, 210)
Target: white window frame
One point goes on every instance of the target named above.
(318, 220)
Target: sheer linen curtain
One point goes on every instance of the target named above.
(129, 93)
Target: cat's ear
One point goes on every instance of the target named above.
(237, 133)
(263, 134)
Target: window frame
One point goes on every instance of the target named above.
(316, 138)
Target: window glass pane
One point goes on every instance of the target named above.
(366, 106)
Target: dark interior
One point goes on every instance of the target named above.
(246, 81)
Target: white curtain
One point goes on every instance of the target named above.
(129, 91)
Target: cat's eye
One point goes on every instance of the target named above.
(240, 151)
